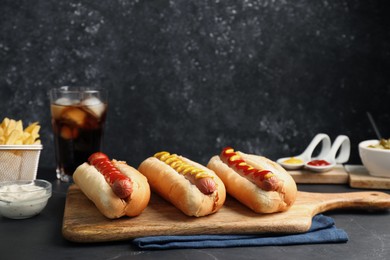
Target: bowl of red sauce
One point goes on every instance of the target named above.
(320, 165)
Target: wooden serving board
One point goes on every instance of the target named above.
(84, 223)
(359, 177)
(337, 175)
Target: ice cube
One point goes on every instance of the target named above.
(69, 133)
(91, 101)
(66, 101)
(60, 105)
(94, 106)
(56, 111)
(75, 115)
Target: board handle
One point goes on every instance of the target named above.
(368, 200)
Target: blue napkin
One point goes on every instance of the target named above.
(322, 230)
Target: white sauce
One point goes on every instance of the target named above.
(22, 201)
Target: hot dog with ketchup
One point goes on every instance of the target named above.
(255, 181)
(189, 186)
(115, 188)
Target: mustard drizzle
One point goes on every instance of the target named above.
(181, 166)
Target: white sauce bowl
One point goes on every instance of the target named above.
(377, 161)
(22, 199)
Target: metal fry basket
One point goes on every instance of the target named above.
(19, 162)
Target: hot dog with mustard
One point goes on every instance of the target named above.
(189, 186)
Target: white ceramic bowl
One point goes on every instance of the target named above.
(376, 161)
(291, 166)
(22, 198)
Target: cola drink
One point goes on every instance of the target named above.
(78, 118)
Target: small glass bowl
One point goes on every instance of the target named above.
(22, 199)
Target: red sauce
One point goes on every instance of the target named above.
(318, 163)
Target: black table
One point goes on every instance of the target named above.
(40, 237)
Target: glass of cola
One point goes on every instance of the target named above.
(78, 117)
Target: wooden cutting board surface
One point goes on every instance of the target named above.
(337, 175)
(359, 177)
(84, 223)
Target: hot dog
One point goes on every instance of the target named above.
(120, 183)
(189, 186)
(115, 188)
(255, 181)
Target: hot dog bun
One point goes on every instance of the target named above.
(95, 187)
(248, 193)
(175, 188)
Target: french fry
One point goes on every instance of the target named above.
(10, 127)
(25, 136)
(29, 140)
(32, 127)
(19, 125)
(12, 133)
(5, 122)
(13, 137)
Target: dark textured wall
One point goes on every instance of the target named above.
(191, 77)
